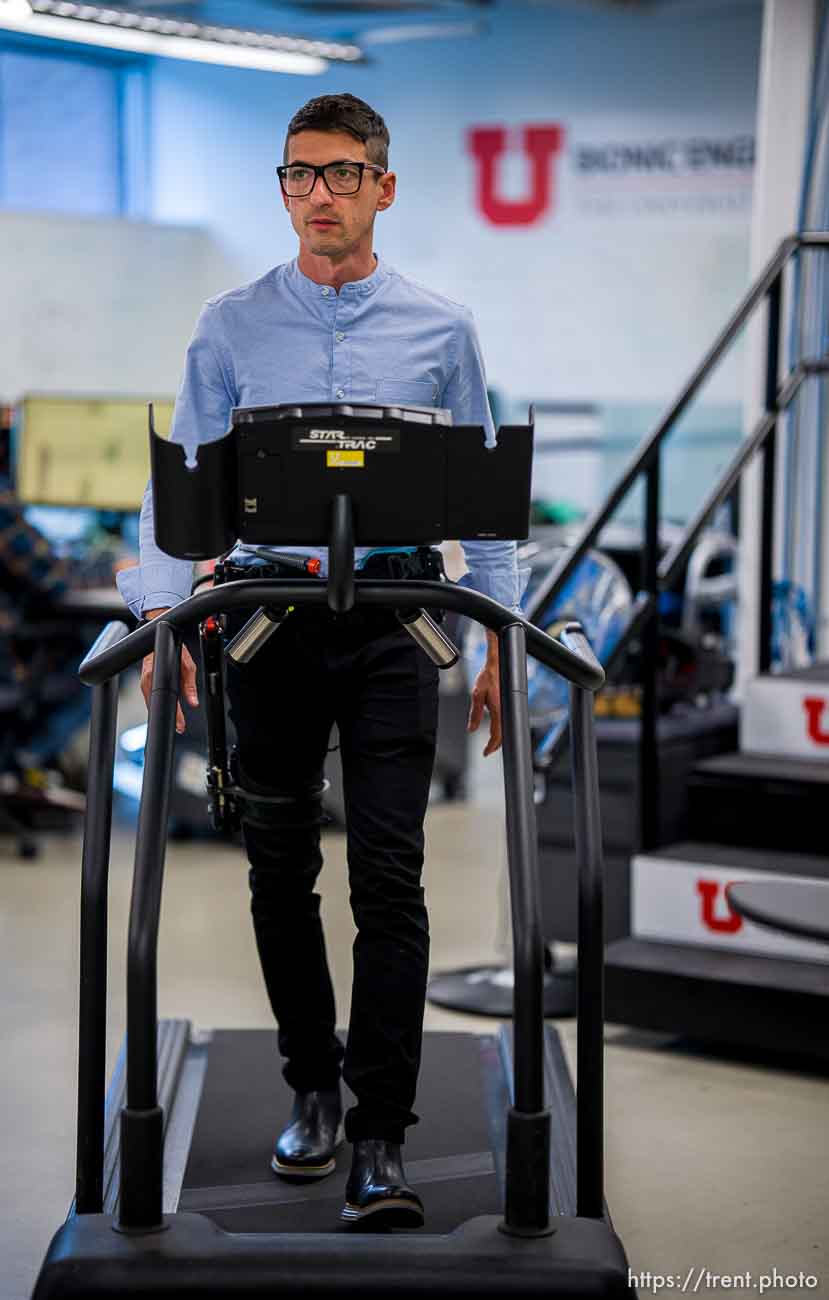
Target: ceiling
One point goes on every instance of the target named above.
(332, 19)
(382, 21)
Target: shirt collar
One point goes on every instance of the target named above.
(354, 288)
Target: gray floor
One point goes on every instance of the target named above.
(711, 1165)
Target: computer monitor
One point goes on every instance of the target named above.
(85, 451)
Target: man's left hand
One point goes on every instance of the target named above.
(486, 694)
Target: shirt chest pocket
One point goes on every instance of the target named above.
(407, 392)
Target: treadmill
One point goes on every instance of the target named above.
(174, 1194)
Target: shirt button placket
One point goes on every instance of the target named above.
(341, 375)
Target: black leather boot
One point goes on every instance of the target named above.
(307, 1147)
(377, 1187)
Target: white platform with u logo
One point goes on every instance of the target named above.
(788, 715)
(678, 895)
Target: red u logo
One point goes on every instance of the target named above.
(814, 707)
(730, 923)
(540, 144)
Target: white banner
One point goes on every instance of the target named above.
(684, 902)
(786, 715)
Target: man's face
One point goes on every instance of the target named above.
(332, 225)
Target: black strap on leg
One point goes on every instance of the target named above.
(259, 805)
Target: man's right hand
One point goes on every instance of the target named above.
(188, 676)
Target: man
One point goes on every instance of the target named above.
(337, 324)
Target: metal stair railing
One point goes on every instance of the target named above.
(658, 575)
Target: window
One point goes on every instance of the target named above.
(69, 131)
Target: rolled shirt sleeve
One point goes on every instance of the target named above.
(493, 566)
(493, 571)
(202, 414)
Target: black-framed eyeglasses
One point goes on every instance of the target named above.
(298, 179)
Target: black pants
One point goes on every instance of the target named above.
(364, 672)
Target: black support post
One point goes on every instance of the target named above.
(89, 1181)
(648, 726)
(527, 1199)
(341, 555)
(588, 836)
(141, 1119)
(769, 475)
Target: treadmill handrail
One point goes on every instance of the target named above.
(109, 636)
(574, 639)
(527, 1197)
(108, 657)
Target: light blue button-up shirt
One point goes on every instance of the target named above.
(285, 338)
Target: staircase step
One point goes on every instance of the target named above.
(688, 961)
(767, 801)
(769, 767)
(812, 865)
(678, 896)
(816, 672)
(744, 1000)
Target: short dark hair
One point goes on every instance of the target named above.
(343, 113)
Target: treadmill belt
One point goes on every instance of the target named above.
(245, 1103)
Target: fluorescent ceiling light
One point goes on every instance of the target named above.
(118, 29)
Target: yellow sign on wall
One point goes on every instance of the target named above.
(76, 451)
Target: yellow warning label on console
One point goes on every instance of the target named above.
(335, 459)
